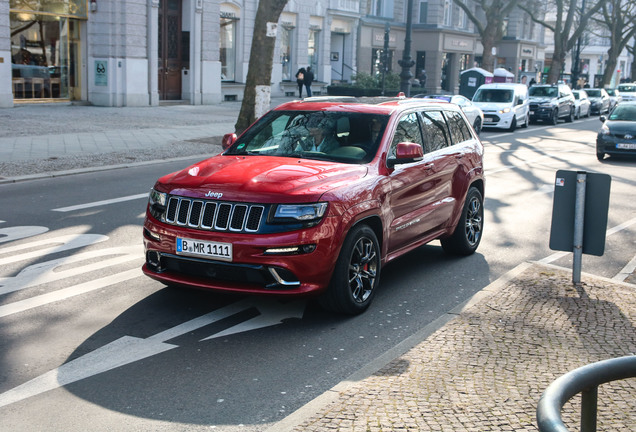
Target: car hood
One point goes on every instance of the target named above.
(621, 127)
(260, 179)
(540, 99)
(492, 106)
(595, 99)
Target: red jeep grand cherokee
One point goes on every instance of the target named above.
(316, 196)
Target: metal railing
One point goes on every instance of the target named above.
(584, 380)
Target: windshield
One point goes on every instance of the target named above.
(610, 92)
(333, 136)
(593, 93)
(543, 91)
(493, 95)
(576, 95)
(624, 113)
(630, 88)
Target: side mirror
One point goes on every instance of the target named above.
(228, 140)
(406, 152)
(602, 119)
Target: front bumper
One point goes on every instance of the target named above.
(612, 145)
(495, 120)
(251, 270)
(541, 113)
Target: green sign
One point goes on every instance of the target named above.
(101, 72)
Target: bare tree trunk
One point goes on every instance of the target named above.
(259, 71)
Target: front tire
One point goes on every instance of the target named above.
(555, 117)
(467, 235)
(356, 274)
(513, 125)
(477, 126)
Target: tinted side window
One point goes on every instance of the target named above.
(436, 131)
(408, 130)
(458, 128)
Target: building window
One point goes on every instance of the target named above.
(228, 48)
(448, 4)
(286, 38)
(313, 49)
(382, 8)
(423, 11)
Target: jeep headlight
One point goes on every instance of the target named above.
(312, 212)
(546, 105)
(157, 198)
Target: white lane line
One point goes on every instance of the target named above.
(101, 203)
(626, 271)
(557, 255)
(33, 302)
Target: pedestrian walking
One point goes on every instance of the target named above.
(309, 78)
(300, 80)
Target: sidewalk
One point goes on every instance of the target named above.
(482, 367)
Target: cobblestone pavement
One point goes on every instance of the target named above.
(486, 369)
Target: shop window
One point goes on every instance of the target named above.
(228, 48)
(40, 62)
(286, 52)
(313, 48)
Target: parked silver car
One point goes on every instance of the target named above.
(582, 103)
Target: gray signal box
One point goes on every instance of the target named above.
(597, 192)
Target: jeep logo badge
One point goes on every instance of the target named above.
(216, 195)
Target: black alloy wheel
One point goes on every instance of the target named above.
(356, 274)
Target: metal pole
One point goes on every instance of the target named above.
(589, 407)
(385, 55)
(406, 62)
(579, 216)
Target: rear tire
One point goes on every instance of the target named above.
(356, 274)
(467, 235)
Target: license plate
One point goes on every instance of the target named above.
(488, 119)
(531, 112)
(626, 146)
(204, 249)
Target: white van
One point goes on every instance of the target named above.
(505, 105)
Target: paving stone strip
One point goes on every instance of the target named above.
(486, 369)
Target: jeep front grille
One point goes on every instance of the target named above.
(214, 215)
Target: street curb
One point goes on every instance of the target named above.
(64, 173)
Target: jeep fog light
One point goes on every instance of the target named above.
(291, 250)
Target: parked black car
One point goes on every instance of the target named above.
(618, 133)
(549, 103)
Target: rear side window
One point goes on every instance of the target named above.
(459, 130)
(436, 131)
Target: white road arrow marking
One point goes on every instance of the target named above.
(272, 313)
(49, 271)
(16, 233)
(101, 203)
(56, 244)
(127, 349)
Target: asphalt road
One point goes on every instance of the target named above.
(88, 343)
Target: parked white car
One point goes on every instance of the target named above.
(505, 105)
(474, 114)
(628, 91)
(582, 103)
